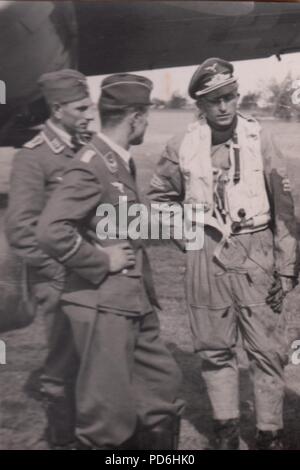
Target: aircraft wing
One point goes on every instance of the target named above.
(107, 36)
(148, 35)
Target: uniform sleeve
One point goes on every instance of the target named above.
(26, 203)
(167, 183)
(59, 227)
(282, 207)
(167, 189)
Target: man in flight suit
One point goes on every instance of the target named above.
(37, 170)
(227, 164)
(126, 393)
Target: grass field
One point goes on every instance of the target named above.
(22, 419)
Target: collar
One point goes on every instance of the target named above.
(221, 135)
(124, 154)
(62, 134)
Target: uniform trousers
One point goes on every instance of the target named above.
(61, 363)
(226, 297)
(127, 377)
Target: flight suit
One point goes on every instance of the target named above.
(127, 378)
(227, 293)
(36, 172)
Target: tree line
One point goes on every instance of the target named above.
(275, 99)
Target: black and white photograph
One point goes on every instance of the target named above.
(150, 227)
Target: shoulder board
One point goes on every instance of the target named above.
(108, 158)
(247, 117)
(253, 125)
(110, 162)
(87, 156)
(35, 142)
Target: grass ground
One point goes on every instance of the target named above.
(22, 419)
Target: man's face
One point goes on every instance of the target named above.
(76, 116)
(220, 110)
(139, 127)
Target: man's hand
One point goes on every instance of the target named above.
(275, 295)
(121, 256)
(280, 287)
(288, 283)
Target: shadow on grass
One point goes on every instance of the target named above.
(3, 200)
(291, 417)
(32, 386)
(193, 391)
(198, 410)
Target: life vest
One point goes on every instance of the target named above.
(244, 192)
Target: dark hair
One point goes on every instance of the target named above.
(113, 117)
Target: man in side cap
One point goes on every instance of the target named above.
(127, 384)
(37, 170)
(227, 164)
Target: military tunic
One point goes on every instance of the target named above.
(36, 172)
(127, 377)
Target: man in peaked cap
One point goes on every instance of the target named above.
(212, 75)
(37, 170)
(226, 163)
(127, 384)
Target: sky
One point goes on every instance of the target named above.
(252, 75)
